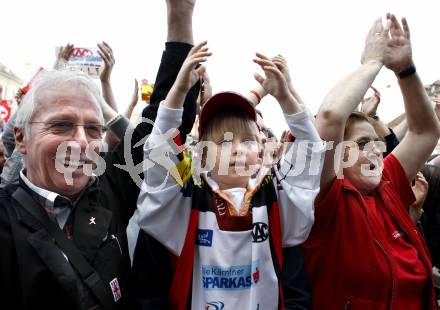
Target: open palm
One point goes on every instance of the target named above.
(399, 54)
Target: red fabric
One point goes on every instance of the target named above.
(350, 254)
(410, 272)
(184, 269)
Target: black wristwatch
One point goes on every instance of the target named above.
(410, 70)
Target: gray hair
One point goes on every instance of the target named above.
(53, 80)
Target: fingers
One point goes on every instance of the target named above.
(259, 78)
(201, 70)
(280, 62)
(104, 57)
(107, 46)
(206, 78)
(405, 28)
(106, 53)
(395, 28)
(378, 26)
(65, 52)
(259, 55)
(421, 182)
(68, 50)
(199, 53)
(263, 62)
(199, 47)
(274, 70)
(376, 93)
(387, 27)
(375, 90)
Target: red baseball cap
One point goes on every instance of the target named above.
(222, 102)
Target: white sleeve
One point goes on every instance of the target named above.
(162, 210)
(299, 173)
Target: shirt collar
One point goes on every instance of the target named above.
(46, 197)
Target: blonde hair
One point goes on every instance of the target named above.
(228, 121)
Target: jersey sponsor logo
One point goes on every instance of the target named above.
(204, 237)
(230, 278)
(214, 305)
(260, 232)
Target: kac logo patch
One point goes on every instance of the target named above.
(214, 305)
(204, 237)
(260, 232)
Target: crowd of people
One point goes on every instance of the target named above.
(200, 206)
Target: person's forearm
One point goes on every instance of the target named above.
(382, 128)
(256, 95)
(290, 106)
(107, 93)
(420, 116)
(401, 129)
(347, 93)
(129, 111)
(175, 98)
(295, 93)
(179, 18)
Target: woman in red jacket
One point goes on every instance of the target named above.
(364, 252)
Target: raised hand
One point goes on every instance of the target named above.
(106, 53)
(65, 52)
(420, 190)
(274, 81)
(63, 56)
(376, 42)
(281, 64)
(370, 104)
(398, 52)
(188, 75)
(134, 100)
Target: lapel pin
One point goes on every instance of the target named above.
(92, 221)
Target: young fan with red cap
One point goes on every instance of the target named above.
(233, 235)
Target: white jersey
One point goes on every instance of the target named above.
(232, 269)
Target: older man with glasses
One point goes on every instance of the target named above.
(63, 227)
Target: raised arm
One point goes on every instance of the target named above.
(106, 53)
(423, 129)
(346, 95)
(299, 187)
(188, 76)
(134, 100)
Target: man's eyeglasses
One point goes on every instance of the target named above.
(68, 128)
